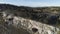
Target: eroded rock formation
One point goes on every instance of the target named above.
(28, 26)
(29, 20)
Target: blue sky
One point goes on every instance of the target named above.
(32, 3)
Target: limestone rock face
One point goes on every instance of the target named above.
(20, 25)
(29, 20)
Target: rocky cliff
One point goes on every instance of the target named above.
(27, 20)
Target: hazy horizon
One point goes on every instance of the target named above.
(32, 3)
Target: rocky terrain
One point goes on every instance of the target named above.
(29, 20)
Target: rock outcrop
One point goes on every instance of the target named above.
(28, 26)
(29, 20)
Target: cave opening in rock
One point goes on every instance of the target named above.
(10, 19)
(34, 29)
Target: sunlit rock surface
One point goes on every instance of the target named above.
(18, 25)
(29, 20)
